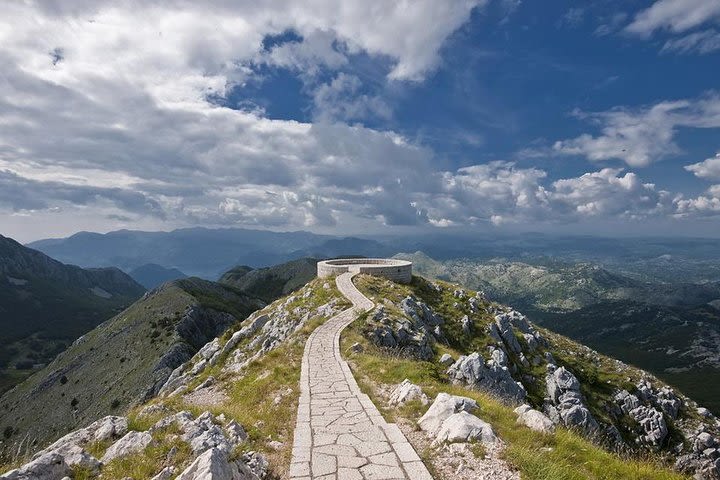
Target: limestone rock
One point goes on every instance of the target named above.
(214, 465)
(420, 313)
(165, 474)
(442, 408)
(704, 412)
(534, 419)
(236, 432)
(210, 349)
(256, 462)
(651, 421)
(493, 377)
(104, 429)
(413, 336)
(466, 324)
(504, 327)
(565, 403)
(447, 359)
(49, 466)
(465, 427)
(203, 434)
(75, 455)
(407, 391)
(132, 442)
(663, 398)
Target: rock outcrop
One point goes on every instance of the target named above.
(492, 375)
(565, 404)
(534, 419)
(215, 464)
(465, 427)
(411, 335)
(449, 420)
(407, 391)
(442, 408)
(652, 426)
(49, 466)
(132, 442)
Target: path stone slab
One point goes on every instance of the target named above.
(339, 433)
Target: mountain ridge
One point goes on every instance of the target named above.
(433, 334)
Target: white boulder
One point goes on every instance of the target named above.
(444, 406)
(49, 466)
(407, 391)
(534, 419)
(214, 465)
(132, 442)
(465, 427)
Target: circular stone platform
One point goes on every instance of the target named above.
(396, 270)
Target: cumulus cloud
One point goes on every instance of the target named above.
(500, 192)
(674, 15)
(709, 168)
(703, 205)
(607, 193)
(644, 135)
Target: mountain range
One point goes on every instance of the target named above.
(45, 305)
(205, 253)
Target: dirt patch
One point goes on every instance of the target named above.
(459, 461)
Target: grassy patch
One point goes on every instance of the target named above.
(166, 449)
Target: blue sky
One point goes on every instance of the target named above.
(350, 117)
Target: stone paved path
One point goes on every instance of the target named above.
(339, 434)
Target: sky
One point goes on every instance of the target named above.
(360, 116)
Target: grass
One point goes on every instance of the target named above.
(166, 449)
(563, 455)
(251, 399)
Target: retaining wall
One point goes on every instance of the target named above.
(396, 270)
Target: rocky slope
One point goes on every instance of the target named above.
(247, 376)
(480, 345)
(45, 305)
(230, 408)
(123, 361)
(677, 324)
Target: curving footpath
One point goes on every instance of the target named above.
(339, 434)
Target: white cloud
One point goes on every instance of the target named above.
(608, 194)
(644, 135)
(500, 193)
(703, 205)
(703, 42)
(341, 99)
(674, 15)
(105, 115)
(709, 168)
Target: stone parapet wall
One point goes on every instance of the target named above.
(399, 271)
